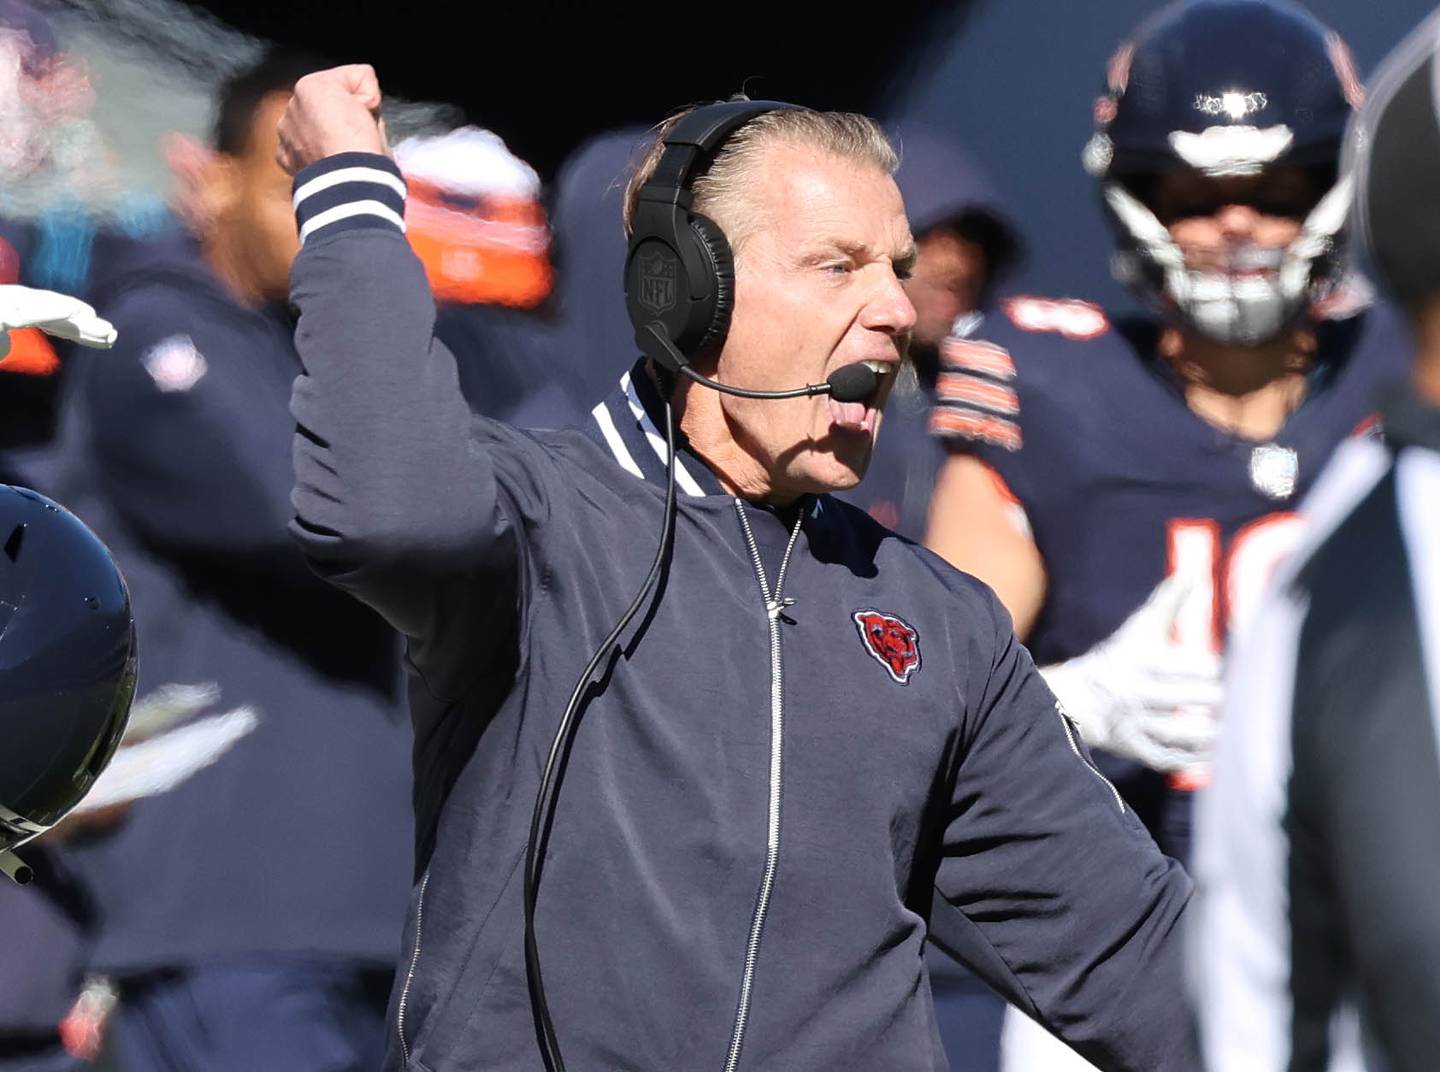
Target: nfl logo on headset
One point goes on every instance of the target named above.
(657, 282)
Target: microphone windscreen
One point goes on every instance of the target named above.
(852, 383)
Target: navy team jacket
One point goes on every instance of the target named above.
(176, 450)
(818, 738)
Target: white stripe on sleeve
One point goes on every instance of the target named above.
(346, 211)
(349, 174)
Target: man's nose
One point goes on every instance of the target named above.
(889, 308)
(1237, 220)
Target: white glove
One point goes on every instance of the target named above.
(54, 314)
(1140, 695)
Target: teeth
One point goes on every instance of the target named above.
(877, 367)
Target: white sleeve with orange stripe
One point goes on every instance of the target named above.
(975, 395)
(976, 403)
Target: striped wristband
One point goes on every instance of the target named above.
(348, 191)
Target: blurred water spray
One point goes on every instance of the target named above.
(87, 131)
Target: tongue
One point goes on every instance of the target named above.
(851, 414)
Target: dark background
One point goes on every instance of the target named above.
(1013, 79)
(544, 75)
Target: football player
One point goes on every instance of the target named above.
(1126, 488)
(51, 706)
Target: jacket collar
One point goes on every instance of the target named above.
(629, 423)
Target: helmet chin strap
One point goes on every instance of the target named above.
(1238, 310)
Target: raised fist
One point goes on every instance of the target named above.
(334, 111)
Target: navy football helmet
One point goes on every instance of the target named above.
(1226, 88)
(67, 665)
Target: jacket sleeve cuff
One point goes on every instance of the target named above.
(348, 191)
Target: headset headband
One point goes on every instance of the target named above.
(696, 138)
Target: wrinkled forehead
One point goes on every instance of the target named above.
(798, 191)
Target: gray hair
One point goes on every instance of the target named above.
(719, 188)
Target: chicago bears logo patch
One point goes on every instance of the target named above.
(891, 641)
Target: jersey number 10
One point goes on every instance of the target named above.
(1226, 582)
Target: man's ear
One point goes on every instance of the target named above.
(204, 181)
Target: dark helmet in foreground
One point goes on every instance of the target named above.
(1226, 88)
(1394, 154)
(67, 665)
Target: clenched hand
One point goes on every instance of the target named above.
(334, 111)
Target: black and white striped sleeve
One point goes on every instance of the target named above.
(349, 191)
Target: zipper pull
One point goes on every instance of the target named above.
(775, 608)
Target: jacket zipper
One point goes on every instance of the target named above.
(410, 974)
(1075, 747)
(775, 605)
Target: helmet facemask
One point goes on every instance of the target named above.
(1226, 91)
(1245, 295)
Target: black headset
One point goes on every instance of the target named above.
(679, 270)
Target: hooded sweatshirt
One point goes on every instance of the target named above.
(176, 451)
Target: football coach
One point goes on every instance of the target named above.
(808, 743)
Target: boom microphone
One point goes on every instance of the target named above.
(848, 384)
(852, 383)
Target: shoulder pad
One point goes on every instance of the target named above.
(1070, 317)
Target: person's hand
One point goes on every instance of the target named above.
(334, 111)
(1142, 696)
(55, 314)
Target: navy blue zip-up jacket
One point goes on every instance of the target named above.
(814, 729)
(176, 450)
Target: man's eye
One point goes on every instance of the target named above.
(904, 272)
(838, 268)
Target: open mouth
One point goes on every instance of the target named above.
(860, 416)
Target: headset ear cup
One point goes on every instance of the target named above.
(715, 252)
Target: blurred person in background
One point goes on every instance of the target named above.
(593, 341)
(475, 220)
(1317, 941)
(251, 917)
(46, 1008)
(1127, 489)
(965, 244)
(46, 926)
(50, 161)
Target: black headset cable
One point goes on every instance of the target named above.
(553, 773)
